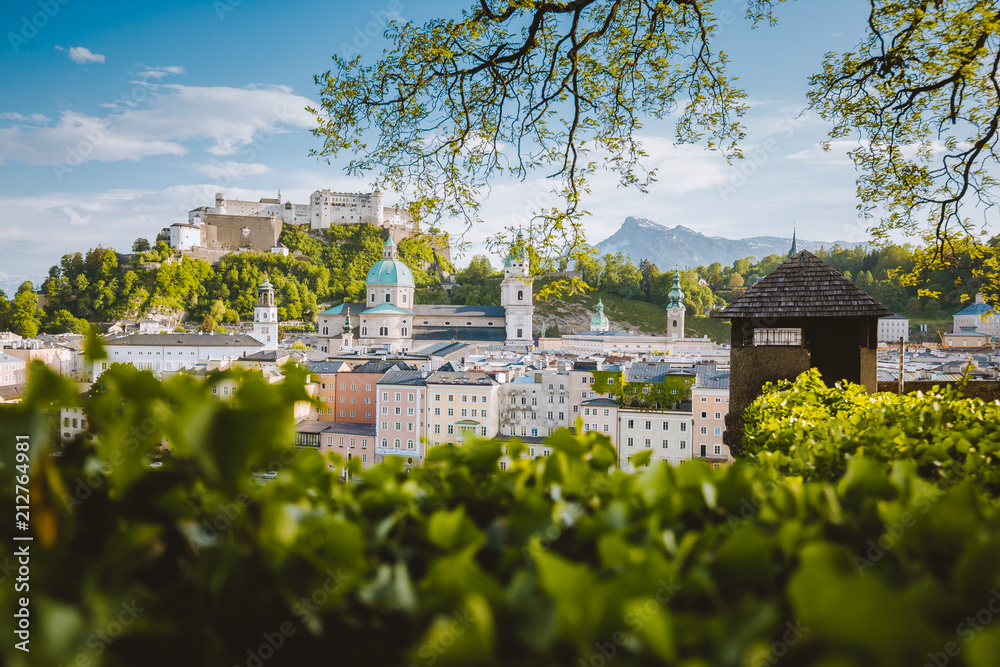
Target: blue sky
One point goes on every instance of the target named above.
(116, 118)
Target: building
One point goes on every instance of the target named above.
(265, 317)
(599, 322)
(666, 434)
(534, 405)
(461, 405)
(169, 353)
(350, 394)
(402, 409)
(966, 338)
(351, 441)
(892, 328)
(709, 407)
(601, 415)
(675, 309)
(389, 319)
(13, 370)
(802, 315)
(979, 316)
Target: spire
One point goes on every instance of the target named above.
(794, 251)
(676, 295)
(279, 195)
(389, 249)
(347, 321)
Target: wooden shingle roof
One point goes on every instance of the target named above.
(804, 286)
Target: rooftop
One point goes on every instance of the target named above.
(804, 286)
(187, 340)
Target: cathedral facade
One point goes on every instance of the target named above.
(389, 318)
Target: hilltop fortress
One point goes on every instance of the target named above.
(234, 225)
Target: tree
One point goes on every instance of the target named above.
(23, 315)
(735, 280)
(920, 93)
(207, 324)
(140, 245)
(552, 331)
(567, 85)
(649, 272)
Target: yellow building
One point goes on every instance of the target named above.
(461, 405)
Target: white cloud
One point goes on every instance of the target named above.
(836, 155)
(228, 170)
(82, 55)
(35, 118)
(160, 72)
(75, 219)
(159, 120)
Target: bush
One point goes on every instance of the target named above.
(564, 560)
(806, 428)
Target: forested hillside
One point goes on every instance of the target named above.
(103, 286)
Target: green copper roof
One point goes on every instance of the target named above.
(676, 295)
(389, 270)
(794, 251)
(599, 319)
(386, 308)
(517, 253)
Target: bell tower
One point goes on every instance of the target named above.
(516, 294)
(675, 308)
(265, 316)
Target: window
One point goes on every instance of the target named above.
(647, 443)
(395, 443)
(684, 427)
(385, 396)
(354, 387)
(385, 443)
(465, 413)
(503, 465)
(649, 425)
(398, 396)
(451, 398)
(352, 442)
(520, 333)
(520, 297)
(451, 429)
(409, 398)
(576, 409)
(664, 444)
(630, 442)
(437, 412)
(385, 426)
(631, 423)
(718, 415)
(437, 428)
(718, 430)
(398, 410)
(342, 386)
(562, 416)
(397, 426)
(409, 412)
(451, 412)
(368, 387)
(409, 444)
(607, 412)
(718, 450)
(684, 445)
(385, 409)
(352, 413)
(717, 399)
(343, 413)
(368, 415)
(704, 399)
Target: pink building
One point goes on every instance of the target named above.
(402, 406)
(601, 415)
(12, 370)
(710, 404)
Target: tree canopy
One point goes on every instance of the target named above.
(516, 88)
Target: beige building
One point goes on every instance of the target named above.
(461, 405)
(666, 434)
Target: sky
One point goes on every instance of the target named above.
(116, 118)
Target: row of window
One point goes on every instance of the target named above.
(353, 441)
(704, 415)
(665, 444)
(14, 378)
(343, 413)
(649, 425)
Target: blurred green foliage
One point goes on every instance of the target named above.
(563, 560)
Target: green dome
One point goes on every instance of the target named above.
(389, 270)
(599, 319)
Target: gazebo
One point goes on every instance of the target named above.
(802, 315)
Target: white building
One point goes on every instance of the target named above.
(12, 370)
(666, 434)
(890, 329)
(390, 319)
(535, 405)
(169, 353)
(265, 317)
(976, 318)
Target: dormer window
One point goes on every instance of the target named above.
(387, 298)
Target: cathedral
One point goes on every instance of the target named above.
(389, 318)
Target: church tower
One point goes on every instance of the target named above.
(675, 308)
(599, 322)
(516, 296)
(265, 316)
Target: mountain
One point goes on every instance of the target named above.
(683, 247)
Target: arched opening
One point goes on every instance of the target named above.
(520, 295)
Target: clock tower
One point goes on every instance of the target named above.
(265, 316)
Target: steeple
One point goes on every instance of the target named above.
(347, 321)
(389, 250)
(794, 251)
(676, 295)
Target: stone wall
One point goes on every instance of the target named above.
(261, 233)
(750, 369)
